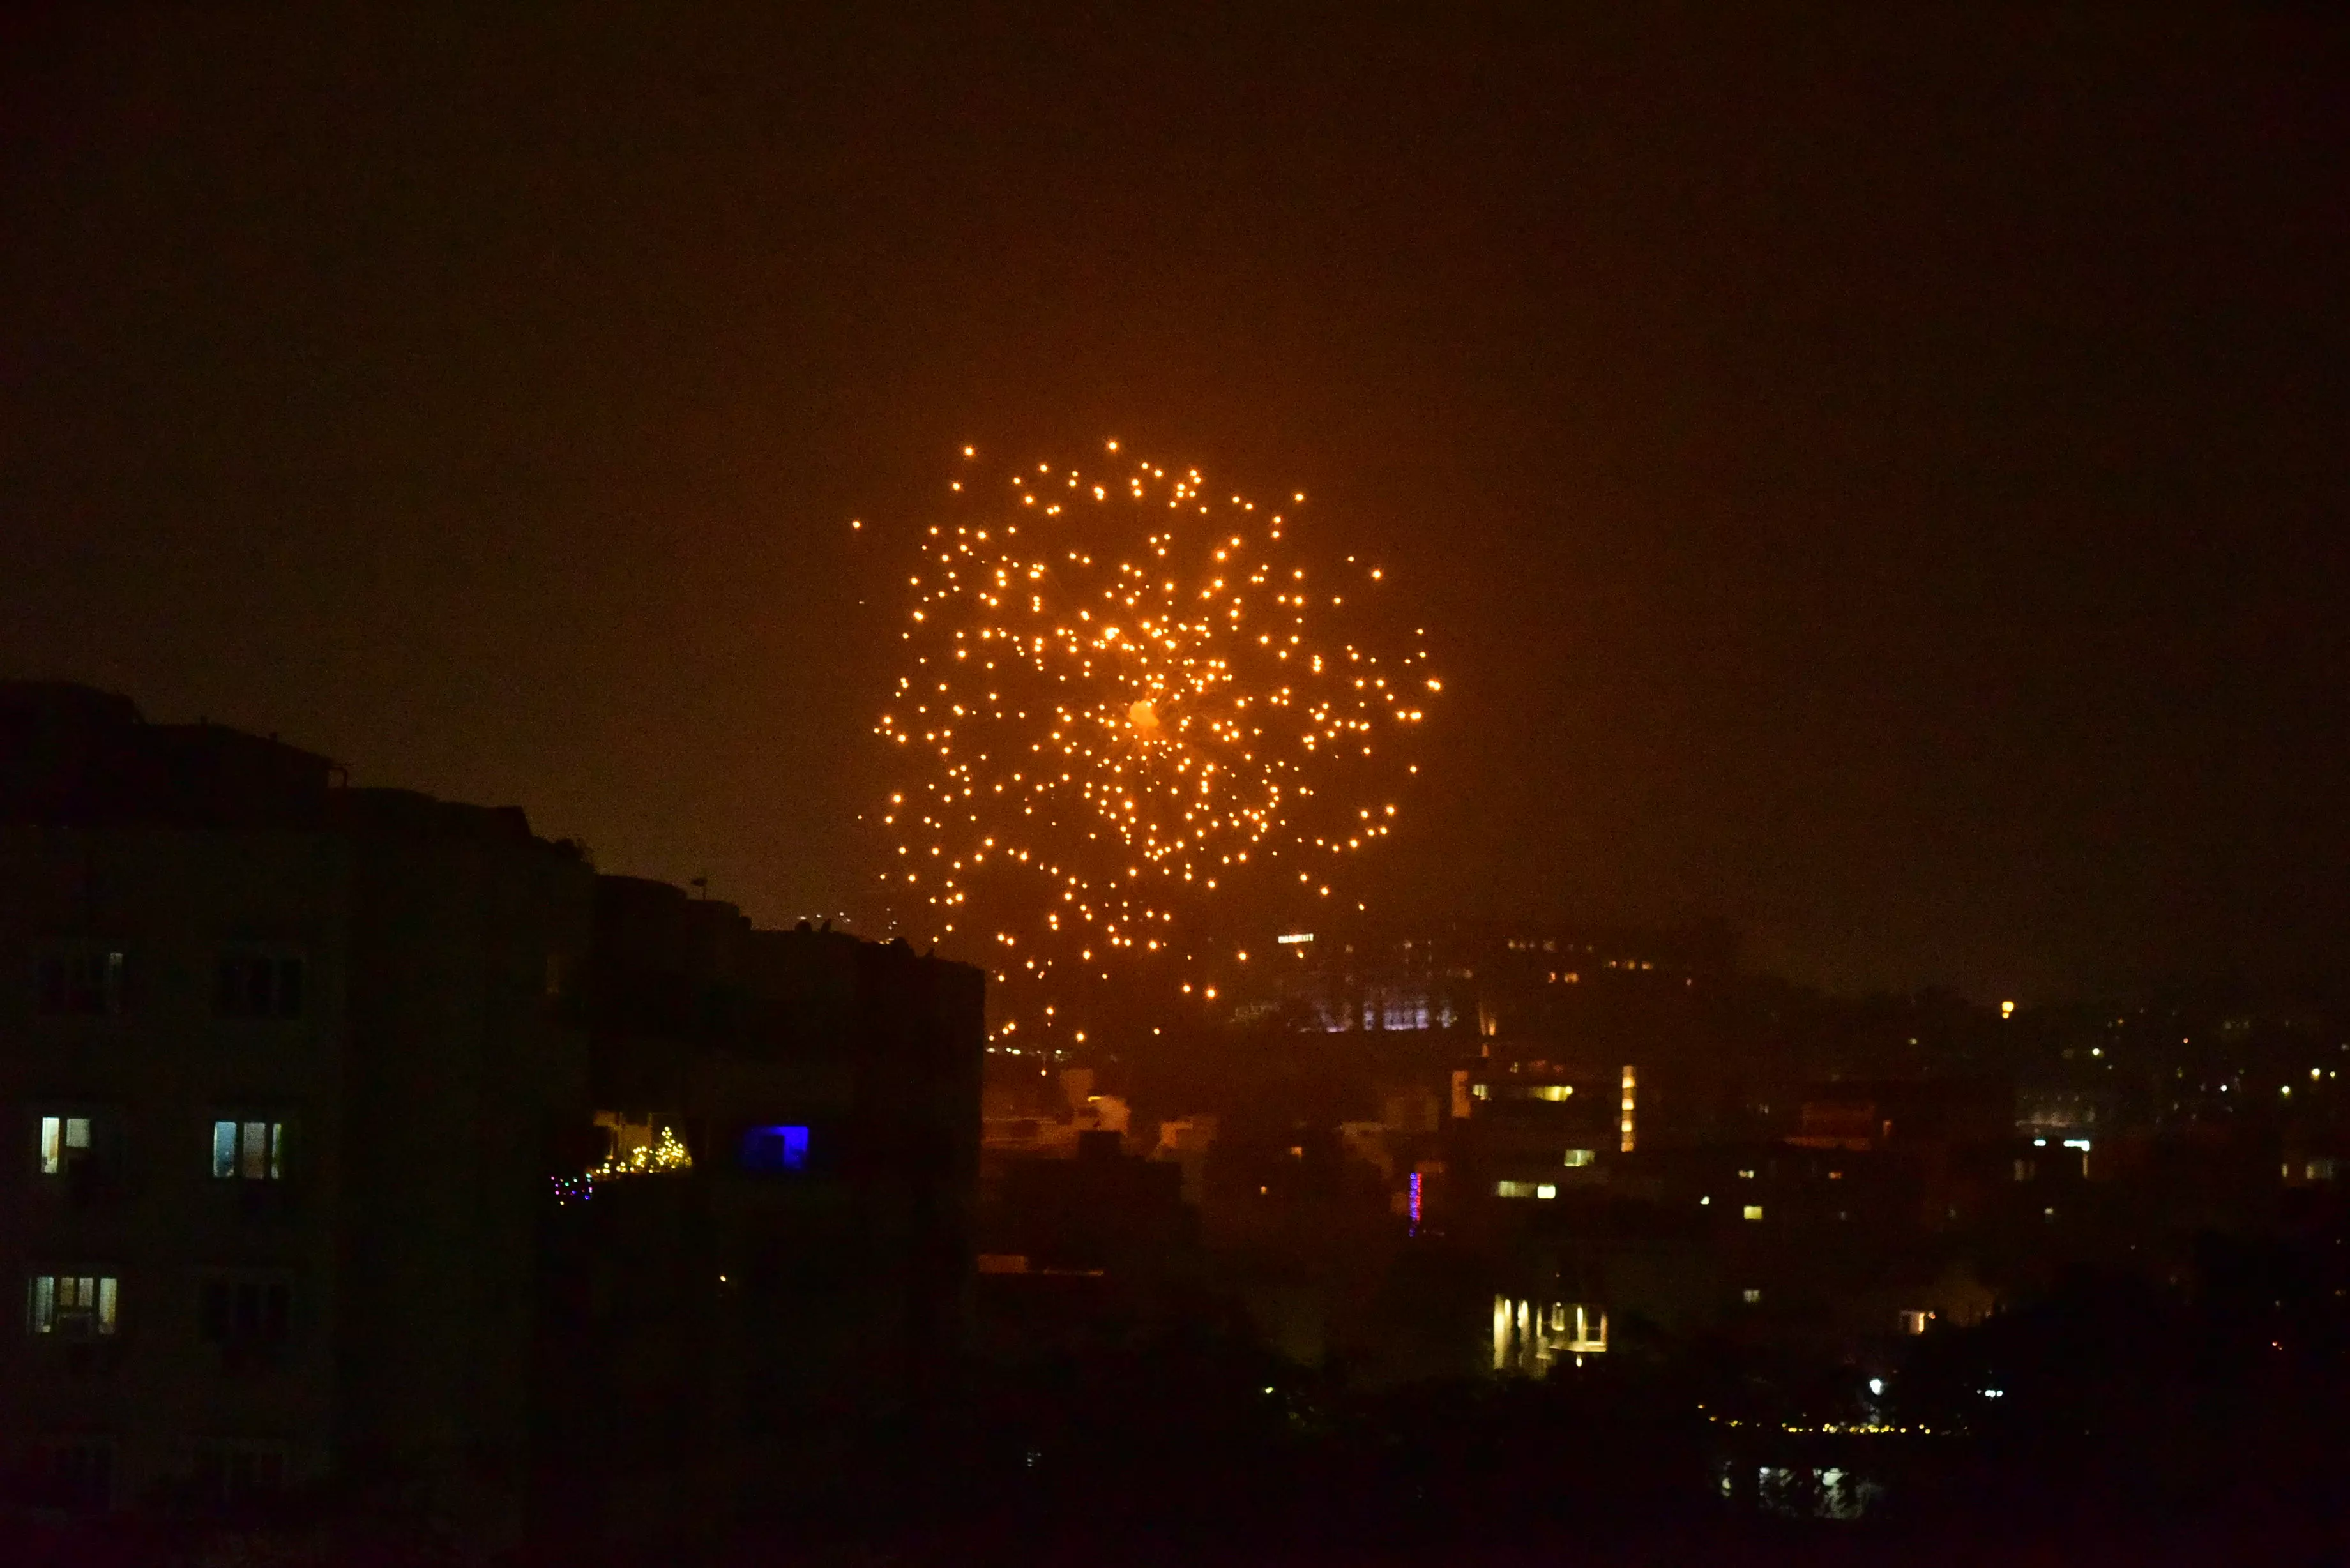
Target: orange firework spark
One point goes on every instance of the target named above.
(1131, 697)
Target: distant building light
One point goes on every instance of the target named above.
(1750, 1295)
(2080, 1143)
(1547, 1190)
(1513, 1189)
(1914, 1321)
(1705, 1202)
(1877, 1385)
(1751, 1211)
(1579, 1157)
(1292, 938)
(2007, 1010)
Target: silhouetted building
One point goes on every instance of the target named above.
(371, 1140)
(282, 1063)
(799, 1267)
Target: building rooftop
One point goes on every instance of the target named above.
(75, 756)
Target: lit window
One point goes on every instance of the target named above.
(1745, 1176)
(249, 1151)
(1751, 1211)
(79, 984)
(1554, 1093)
(1515, 1189)
(1750, 1295)
(770, 1150)
(257, 985)
(65, 1141)
(1545, 1190)
(74, 1306)
(1914, 1321)
(1578, 1156)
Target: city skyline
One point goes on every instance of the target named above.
(1232, 785)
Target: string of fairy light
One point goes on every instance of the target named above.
(664, 1153)
(1127, 694)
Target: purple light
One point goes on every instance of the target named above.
(1415, 1203)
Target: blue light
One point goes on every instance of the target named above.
(776, 1149)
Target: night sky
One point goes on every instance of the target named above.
(1880, 481)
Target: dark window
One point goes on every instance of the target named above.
(76, 1473)
(246, 1312)
(770, 1150)
(256, 985)
(79, 984)
(231, 1475)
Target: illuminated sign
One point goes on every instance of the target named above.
(1294, 938)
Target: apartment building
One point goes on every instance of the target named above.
(371, 1148)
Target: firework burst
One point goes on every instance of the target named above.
(1129, 704)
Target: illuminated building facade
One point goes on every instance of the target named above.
(1486, 982)
(1530, 1337)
